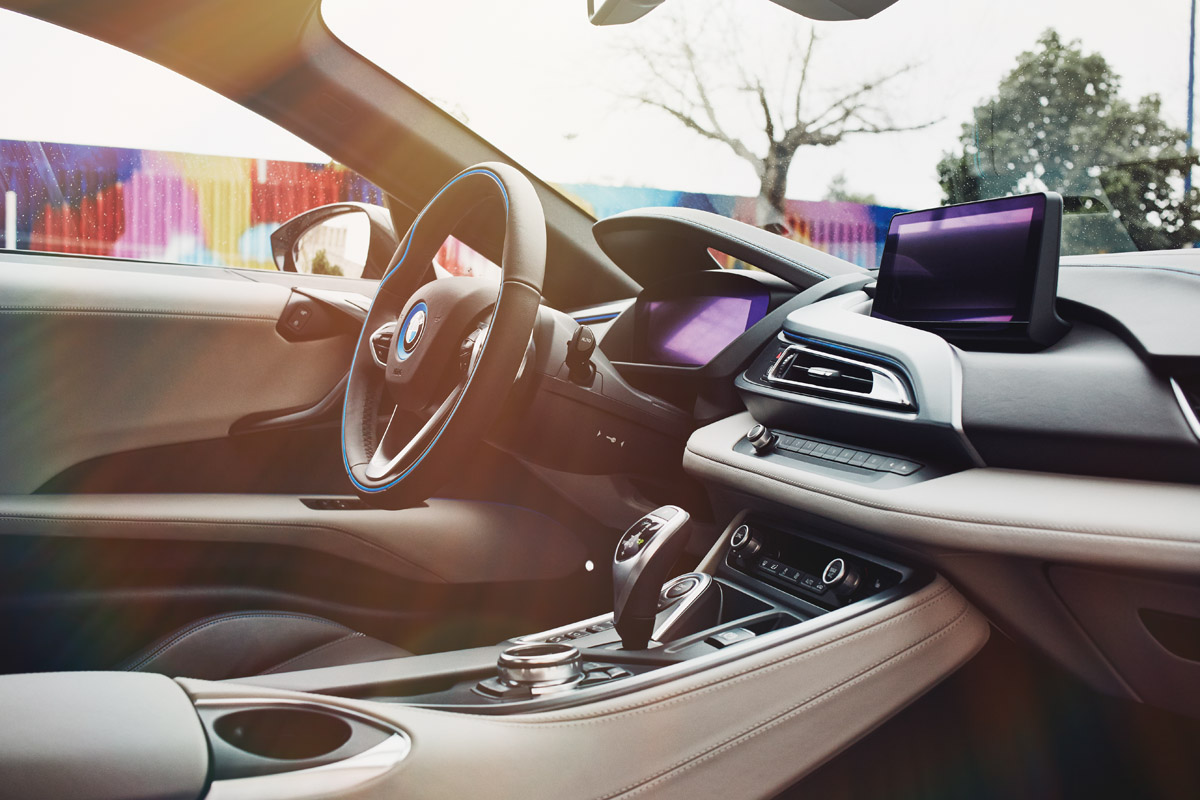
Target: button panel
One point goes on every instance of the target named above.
(863, 459)
(578, 633)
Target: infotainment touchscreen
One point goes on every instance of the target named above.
(977, 272)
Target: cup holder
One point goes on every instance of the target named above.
(269, 738)
(283, 733)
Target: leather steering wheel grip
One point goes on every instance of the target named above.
(430, 458)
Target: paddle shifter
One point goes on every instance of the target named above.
(644, 555)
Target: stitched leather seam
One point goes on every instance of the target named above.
(749, 673)
(279, 667)
(90, 311)
(1001, 523)
(814, 699)
(224, 523)
(200, 625)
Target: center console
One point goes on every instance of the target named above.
(782, 648)
(769, 581)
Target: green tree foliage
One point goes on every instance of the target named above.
(321, 265)
(1058, 122)
(840, 192)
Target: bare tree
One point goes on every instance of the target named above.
(683, 85)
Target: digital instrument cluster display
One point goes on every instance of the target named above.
(691, 330)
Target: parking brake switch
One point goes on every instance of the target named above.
(645, 553)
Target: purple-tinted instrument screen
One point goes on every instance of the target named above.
(691, 330)
(974, 263)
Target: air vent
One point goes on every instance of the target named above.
(381, 343)
(808, 370)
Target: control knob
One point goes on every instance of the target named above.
(743, 542)
(842, 576)
(761, 439)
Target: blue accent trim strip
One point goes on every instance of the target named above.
(830, 345)
(358, 345)
(597, 318)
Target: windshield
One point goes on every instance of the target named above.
(820, 131)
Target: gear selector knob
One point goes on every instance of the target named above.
(644, 555)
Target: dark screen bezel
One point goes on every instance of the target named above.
(1026, 309)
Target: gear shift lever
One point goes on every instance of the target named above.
(644, 554)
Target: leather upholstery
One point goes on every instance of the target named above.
(245, 643)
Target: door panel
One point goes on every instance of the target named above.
(102, 358)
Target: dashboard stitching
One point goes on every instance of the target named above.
(1055, 531)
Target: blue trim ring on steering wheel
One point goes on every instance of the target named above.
(399, 348)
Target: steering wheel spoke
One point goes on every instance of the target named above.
(398, 448)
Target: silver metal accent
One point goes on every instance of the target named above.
(684, 604)
(340, 778)
(384, 329)
(956, 393)
(626, 572)
(838, 575)
(887, 387)
(740, 535)
(1188, 413)
(760, 438)
(540, 667)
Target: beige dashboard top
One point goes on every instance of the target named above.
(1110, 521)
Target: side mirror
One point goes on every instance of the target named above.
(353, 240)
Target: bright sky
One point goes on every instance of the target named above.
(536, 79)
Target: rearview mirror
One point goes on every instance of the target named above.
(351, 240)
(619, 12)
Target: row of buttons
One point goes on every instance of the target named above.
(594, 674)
(846, 455)
(791, 575)
(579, 633)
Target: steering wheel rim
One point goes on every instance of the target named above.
(437, 331)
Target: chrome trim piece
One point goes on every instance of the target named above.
(956, 396)
(341, 776)
(540, 666)
(385, 328)
(311, 705)
(887, 387)
(683, 604)
(1188, 413)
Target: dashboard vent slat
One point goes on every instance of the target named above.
(808, 370)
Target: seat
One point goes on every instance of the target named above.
(244, 643)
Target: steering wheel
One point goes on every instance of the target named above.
(450, 348)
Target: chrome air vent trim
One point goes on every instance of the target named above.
(887, 386)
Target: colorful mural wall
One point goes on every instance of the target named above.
(850, 231)
(161, 206)
(221, 211)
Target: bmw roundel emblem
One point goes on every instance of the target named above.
(411, 330)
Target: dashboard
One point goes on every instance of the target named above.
(1056, 484)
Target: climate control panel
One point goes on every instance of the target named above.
(814, 570)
